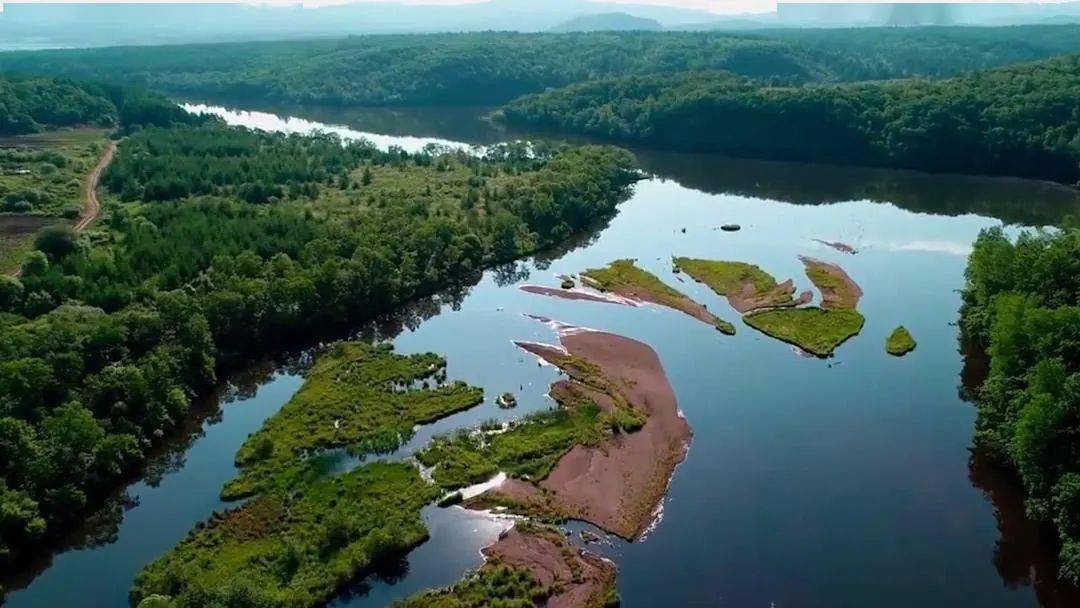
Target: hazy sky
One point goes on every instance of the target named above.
(716, 6)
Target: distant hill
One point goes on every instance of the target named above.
(37, 26)
(609, 22)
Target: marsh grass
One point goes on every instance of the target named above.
(293, 549)
(727, 278)
(625, 278)
(900, 342)
(816, 330)
(364, 398)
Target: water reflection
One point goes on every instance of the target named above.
(1026, 553)
(1012, 200)
(764, 448)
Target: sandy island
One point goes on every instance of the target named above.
(618, 485)
(585, 579)
(838, 290)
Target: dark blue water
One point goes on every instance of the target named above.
(809, 482)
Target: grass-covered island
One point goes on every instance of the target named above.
(306, 533)
(900, 342)
(746, 286)
(366, 399)
(624, 278)
(295, 548)
(816, 330)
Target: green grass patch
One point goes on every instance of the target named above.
(625, 278)
(900, 342)
(727, 278)
(530, 448)
(815, 330)
(624, 275)
(43, 174)
(17, 238)
(294, 549)
(494, 584)
(364, 398)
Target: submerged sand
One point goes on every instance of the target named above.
(839, 246)
(571, 294)
(618, 485)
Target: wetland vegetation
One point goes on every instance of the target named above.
(223, 242)
(624, 278)
(292, 548)
(528, 449)
(815, 330)
(746, 286)
(362, 398)
(900, 342)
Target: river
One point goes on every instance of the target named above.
(840, 482)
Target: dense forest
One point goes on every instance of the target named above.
(1022, 304)
(33, 104)
(234, 241)
(28, 105)
(1021, 120)
(493, 68)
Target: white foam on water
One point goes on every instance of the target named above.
(479, 488)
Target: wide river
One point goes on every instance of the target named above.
(809, 483)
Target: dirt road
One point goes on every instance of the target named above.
(91, 204)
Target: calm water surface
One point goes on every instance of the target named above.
(845, 482)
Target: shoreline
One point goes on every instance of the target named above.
(618, 484)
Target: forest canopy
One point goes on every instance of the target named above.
(33, 104)
(493, 68)
(1021, 120)
(233, 242)
(1022, 305)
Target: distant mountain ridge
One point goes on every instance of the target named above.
(33, 26)
(608, 22)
